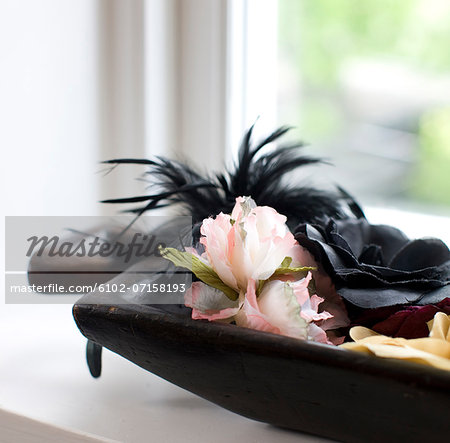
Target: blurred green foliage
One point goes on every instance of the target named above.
(318, 36)
(431, 181)
(321, 33)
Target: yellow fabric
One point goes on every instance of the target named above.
(433, 350)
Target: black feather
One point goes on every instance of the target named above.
(263, 177)
(354, 207)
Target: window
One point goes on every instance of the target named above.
(368, 85)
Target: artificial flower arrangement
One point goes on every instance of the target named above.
(254, 273)
(288, 282)
(332, 272)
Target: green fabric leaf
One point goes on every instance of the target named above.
(260, 286)
(201, 270)
(285, 268)
(286, 262)
(289, 270)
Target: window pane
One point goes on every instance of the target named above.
(367, 83)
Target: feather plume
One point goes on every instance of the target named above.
(263, 177)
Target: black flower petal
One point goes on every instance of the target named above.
(377, 265)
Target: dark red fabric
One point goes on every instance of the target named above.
(402, 321)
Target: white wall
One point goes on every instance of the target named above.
(48, 129)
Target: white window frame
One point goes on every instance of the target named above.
(178, 80)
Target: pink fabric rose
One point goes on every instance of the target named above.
(284, 308)
(208, 303)
(324, 288)
(249, 244)
(245, 249)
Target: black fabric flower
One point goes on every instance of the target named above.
(376, 265)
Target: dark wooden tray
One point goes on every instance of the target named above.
(289, 383)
